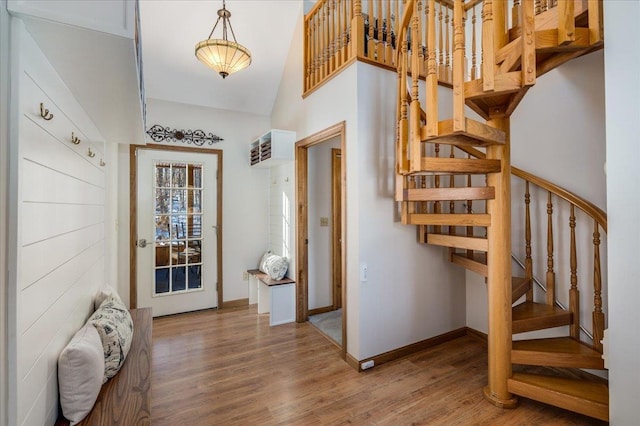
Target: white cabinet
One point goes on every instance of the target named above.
(94, 48)
(272, 149)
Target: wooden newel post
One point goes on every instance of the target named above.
(499, 266)
(357, 30)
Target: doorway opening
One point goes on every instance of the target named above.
(320, 177)
(175, 228)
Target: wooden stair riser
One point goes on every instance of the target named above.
(519, 287)
(590, 399)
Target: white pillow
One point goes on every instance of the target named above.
(263, 262)
(103, 293)
(276, 266)
(80, 373)
(115, 327)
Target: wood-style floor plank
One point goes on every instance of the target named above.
(230, 368)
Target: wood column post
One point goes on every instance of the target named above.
(357, 30)
(499, 267)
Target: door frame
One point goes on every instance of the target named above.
(133, 206)
(336, 234)
(302, 222)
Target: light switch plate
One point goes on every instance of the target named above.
(324, 221)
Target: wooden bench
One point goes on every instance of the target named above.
(276, 297)
(126, 398)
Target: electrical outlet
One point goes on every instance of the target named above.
(245, 276)
(324, 221)
(364, 272)
(367, 365)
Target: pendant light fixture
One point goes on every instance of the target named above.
(222, 55)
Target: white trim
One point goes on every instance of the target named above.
(4, 141)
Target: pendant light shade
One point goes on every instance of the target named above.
(222, 55)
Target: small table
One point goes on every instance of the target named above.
(275, 297)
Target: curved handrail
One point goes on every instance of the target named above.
(404, 23)
(586, 206)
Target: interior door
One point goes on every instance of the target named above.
(177, 245)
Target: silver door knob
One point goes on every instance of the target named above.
(142, 243)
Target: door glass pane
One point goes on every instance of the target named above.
(178, 227)
(163, 175)
(163, 201)
(195, 201)
(162, 228)
(179, 176)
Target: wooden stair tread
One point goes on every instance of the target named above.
(455, 241)
(449, 219)
(529, 316)
(451, 166)
(475, 133)
(580, 396)
(449, 194)
(556, 352)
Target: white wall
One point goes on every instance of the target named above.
(245, 189)
(557, 133)
(57, 242)
(622, 60)
(412, 292)
(4, 176)
(320, 259)
(282, 214)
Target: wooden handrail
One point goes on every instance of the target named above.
(586, 206)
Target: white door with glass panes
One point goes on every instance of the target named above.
(177, 241)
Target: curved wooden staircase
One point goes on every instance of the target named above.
(454, 180)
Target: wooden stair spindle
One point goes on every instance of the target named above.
(566, 22)
(371, 44)
(346, 13)
(551, 275)
(447, 46)
(598, 315)
(452, 184)
(388, 50)
(515, 14)
(436, 183)
(380, 53)
(414, 113)
(441, 70)
(308, 55)
(459, 122)
(357, 30)
(403, 149)
(574, 293)
(469, 211)
(432, 77)
(528, 261)
(474, 69)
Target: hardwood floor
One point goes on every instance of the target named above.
(230, 368)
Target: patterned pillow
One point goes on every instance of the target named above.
(103, 293)
(115, 327)
(276, 266)
(263, 262)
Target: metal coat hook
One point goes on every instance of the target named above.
(44, 113)
(102, 163)
(91, 153)
(74, 139)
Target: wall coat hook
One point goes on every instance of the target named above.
(44, 113)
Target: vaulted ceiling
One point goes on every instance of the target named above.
(170, 30)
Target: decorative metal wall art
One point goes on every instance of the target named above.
(196, 137)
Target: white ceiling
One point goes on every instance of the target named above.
(170, 30)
